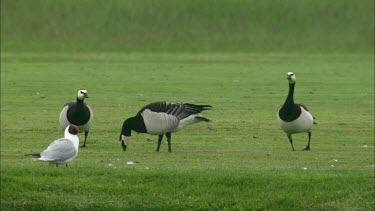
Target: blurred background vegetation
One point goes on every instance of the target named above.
(255, 26)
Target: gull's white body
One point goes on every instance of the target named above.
(61, 151)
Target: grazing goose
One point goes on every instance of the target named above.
(77, 113)
(62, 150)
(162, 118)
(294, 118)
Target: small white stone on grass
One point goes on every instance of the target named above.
(130, 163)
(304, 168)
(335, 160)
(365, 145)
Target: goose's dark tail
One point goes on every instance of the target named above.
(202, 118)
(205, 107)
(34, 155)
(198, 107)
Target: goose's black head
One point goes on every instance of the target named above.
(291, 77)
(82, 94)
(125, 133)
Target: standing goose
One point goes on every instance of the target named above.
(62, 150)
(77, 113)
(294, 118)
(162, 118)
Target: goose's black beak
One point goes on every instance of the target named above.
(123, 145)
(124, 141)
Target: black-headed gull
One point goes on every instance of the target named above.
(63, 150)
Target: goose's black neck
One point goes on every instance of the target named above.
(79, 103)
(133, 123)
(290, 111)
(290, 99)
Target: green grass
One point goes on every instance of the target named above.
(188, 26)
(232, 54)
(239, 161)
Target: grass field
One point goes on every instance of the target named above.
(231, 54)
(253, 26)
(239, 161)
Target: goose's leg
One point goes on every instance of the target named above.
(159, 142)
(86, 134)
(290, 140)
(168, 135)
(307, 148)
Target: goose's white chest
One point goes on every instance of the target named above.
(64, 122)
(302, 124)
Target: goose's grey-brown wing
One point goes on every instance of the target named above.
(177, 109)
(159, 122)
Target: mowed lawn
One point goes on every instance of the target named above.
(240, 160)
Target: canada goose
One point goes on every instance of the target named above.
(162, 118)
(63, 150)
(294, 118)
(77, 113)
